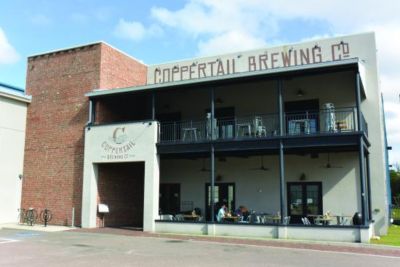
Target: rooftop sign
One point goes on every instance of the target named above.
(319, 51)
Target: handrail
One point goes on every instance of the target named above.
(331, 121)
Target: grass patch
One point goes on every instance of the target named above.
(396, 213)
(391, 239)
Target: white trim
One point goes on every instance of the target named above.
(22, 98)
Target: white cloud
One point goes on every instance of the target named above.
(8, 54)
(135, 31)
(229, 42)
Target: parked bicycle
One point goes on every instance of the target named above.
(30, 216)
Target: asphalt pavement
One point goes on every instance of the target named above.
(80, 248)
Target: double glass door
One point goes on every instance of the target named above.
(304, 200)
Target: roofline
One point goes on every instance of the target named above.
(24, 98)
(81, 46)
(65, 49)
(12, 87)
(104, 92)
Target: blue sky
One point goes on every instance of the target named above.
(159, 31)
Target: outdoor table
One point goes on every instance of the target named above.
(190, 217)
(231, 218)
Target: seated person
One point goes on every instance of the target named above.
(242, 211)
(221, 213)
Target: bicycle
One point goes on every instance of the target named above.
(30, 216)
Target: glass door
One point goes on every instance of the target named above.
(224, 193)
(304, 200)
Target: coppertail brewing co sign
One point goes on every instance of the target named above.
(250, 61)
(118, 146)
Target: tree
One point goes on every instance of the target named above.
(395, 186)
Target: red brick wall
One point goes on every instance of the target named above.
(53, 165)
(119, 70)
(121, 187)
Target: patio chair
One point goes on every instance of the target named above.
(209, 126)
(179, 217)
(317, 220)
(259, 128)
(166, 217)
(305, 221)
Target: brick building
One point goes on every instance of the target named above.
(58, 82)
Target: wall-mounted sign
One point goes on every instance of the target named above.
(279, 57)
(118, 146)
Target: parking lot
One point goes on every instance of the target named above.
(77, 248)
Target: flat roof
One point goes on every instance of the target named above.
(13, 92)
(332, 64)
(80, 46)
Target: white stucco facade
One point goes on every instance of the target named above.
(258, 190)
(13, 107)
(134, 142)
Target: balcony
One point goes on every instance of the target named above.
(261, 126)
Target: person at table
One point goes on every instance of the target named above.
(242, 211)
(221, 213)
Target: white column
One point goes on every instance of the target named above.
(89, 195)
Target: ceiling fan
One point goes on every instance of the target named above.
(328, 165)
(262, 167)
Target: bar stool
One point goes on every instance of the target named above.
(189, 131)
(243, 127)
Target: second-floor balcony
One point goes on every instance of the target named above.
(257, 126)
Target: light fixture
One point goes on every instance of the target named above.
(239, 56)
(302, 177)
(316, 46)
(300, 93)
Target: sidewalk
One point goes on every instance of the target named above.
(36, 227)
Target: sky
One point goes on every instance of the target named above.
(159, 31)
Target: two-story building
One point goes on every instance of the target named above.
(290, 139)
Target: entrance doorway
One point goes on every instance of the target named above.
(304, 200)
(121, 188)
(224, 193)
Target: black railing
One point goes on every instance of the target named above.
(332, 121)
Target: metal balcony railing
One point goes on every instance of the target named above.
(332, 121)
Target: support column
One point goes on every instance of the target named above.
(358, 101)
(280, 105)
(212, 114)
(281, 152)
(212, 162)
(212, 155)
(362, 182)
(368, 186)
(153, 105)
(92, 112)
